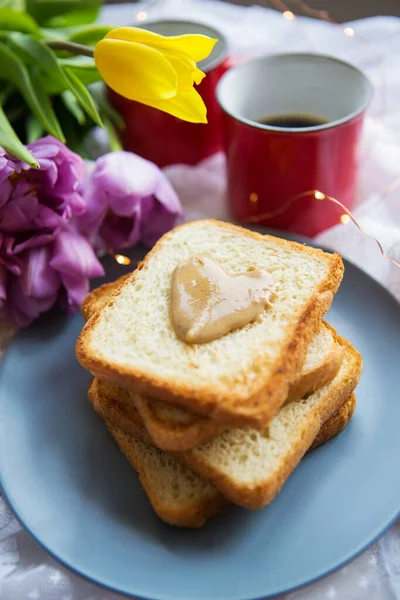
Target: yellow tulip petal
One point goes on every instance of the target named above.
(198, 75)
(183, 70)
(134, 70)
(193, 45)
(188, 107)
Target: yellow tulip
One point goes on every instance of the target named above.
(155, 70)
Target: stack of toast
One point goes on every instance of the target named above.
(226, 421)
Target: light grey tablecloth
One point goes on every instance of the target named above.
(26, 571)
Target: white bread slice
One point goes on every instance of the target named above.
(249, 466)
(336, 423)
(178, 496)
(175, 430)
(243, 376)
(97, 298)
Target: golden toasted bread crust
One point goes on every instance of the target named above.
(336, 423)
(98, 297)
(194, 515)
(265, 395)
(263, 493)
(110, 404)
(320, 425)
(315, 379)
(177, 436)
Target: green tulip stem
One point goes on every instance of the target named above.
(70, 47)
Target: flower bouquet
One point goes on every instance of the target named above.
(57, 212)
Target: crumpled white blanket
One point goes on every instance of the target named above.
(26, 571)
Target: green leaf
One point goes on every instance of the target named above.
(34, 129)
(35, 51)
(11, 144)
(18, 5)
(46, 115)
(46, 60)
(12, 20)
(74, 132)
(84, 63)
(73, 106)
(105, 108)
(83, 67)
(53, 33)
(89, 36)
(5, 93)
(114, 141)
(62, 13)
(32, 89)
(83, 96)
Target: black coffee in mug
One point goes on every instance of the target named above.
(293, 121)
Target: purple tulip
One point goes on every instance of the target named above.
(42, 257)
(128, 199)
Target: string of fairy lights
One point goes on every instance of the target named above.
(347, 216)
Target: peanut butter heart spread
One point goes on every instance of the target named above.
(207, 302)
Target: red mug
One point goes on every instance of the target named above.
(162, 138)
(273, 168)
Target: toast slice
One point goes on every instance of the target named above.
(336, 423)
(244, 376)
(178, 496)
(98, 297)
(249, 466)
(175, 430)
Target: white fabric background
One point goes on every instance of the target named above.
(26, 571)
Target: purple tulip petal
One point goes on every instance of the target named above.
(39, 279)
(156, 220)
(6, 170)
(5, 191)
(3, 284)
(73, 255)
(126, 197)
(23, 309)
(20, 213)
(96, 207)
(33, 242)
(36, 205)
(167, 196)
(120, 232)
(76, 290)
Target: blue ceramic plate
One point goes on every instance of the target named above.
(72, 489)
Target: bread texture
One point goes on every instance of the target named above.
(336, 423)
(243, 377)
(178, 496)
(249, 466)
(174, 429)
(98, 297)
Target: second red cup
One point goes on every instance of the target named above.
(292, 125)
(164, 139)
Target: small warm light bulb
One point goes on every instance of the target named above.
(345, 219)
(122, 260)
(253, 197)
(141, 16)
(288, 15)
(348, 31)
(319, 195)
